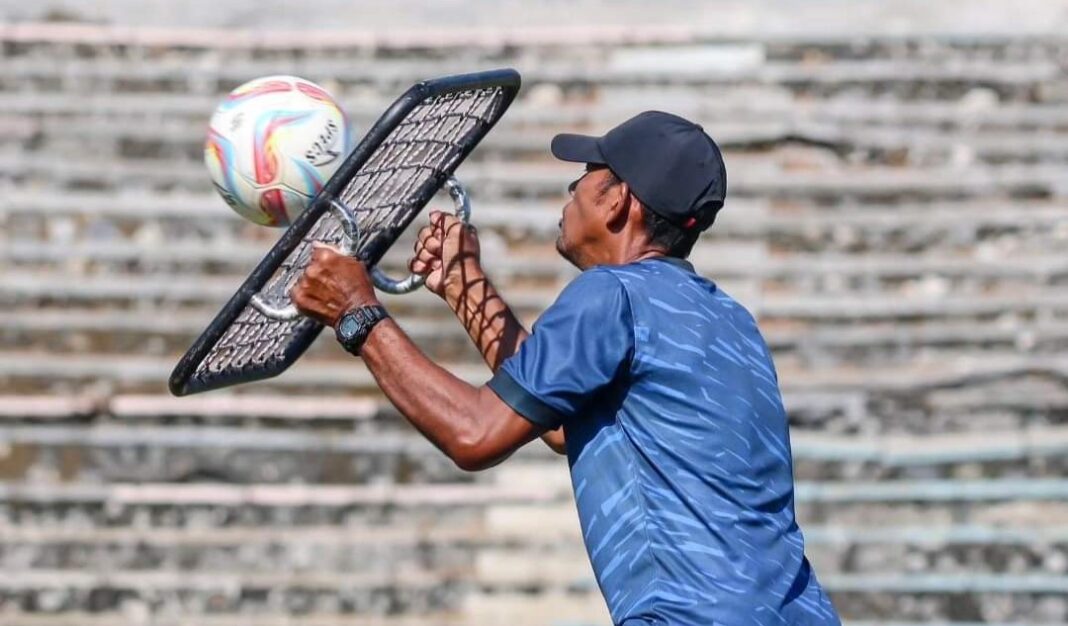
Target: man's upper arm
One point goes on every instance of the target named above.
(502, 432)
(577, 348)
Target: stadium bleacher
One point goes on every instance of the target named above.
(897, 220)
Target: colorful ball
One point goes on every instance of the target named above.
(272, 145)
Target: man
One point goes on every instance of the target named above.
(658, 385)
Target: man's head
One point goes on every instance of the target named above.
(653, 183)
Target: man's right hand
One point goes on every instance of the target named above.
(447, 253)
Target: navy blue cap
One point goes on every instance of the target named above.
(670, 164)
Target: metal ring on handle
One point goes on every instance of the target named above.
(349, 242)
(462, 208)
(351, 228)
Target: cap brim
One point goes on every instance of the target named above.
(577, 148)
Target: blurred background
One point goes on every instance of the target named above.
(897, 220)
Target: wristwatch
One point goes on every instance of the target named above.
(354, 327)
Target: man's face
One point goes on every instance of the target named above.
(582, 225)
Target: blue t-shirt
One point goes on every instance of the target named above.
(678, 446)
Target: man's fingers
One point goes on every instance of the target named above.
(437, 220)
(299, 296)
(426, 256)
(422, 258)
(321, 255)
(321, 248)
(428, 240)
(442, 222)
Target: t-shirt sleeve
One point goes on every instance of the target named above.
(578, 347)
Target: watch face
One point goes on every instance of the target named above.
(349, 326)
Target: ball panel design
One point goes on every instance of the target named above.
(272, 145)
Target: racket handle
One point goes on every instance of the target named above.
(461, 207)
(287, 312)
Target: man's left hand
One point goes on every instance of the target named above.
(332, 285)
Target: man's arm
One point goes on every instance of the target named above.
(448, 254)
(473, 426)
(486, 317)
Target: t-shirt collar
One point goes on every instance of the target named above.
(677, 262)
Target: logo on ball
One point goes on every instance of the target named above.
(325, 148)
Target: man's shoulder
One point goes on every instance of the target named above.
(624, 278)
(594, 296)
(600, 280)
(654, 272)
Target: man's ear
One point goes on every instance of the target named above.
(619, 206)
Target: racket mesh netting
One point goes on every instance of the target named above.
(383, 198)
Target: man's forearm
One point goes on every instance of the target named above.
(455, 416)
(492, 326)
(438, 406)
(488, 320)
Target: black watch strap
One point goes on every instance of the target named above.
(354, 326)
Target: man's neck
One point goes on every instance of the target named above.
(651, 253)
(635, 254)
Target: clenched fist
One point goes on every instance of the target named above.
(447, 254)
(332, 285)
